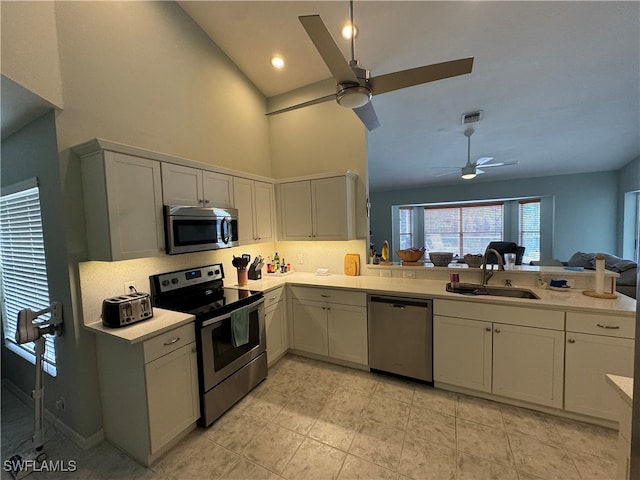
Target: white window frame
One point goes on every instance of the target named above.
(23, 268)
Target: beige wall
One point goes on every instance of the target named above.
(28, 59)
(144, 74)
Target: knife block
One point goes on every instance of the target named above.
(254, 274)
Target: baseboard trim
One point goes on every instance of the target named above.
(81, 441)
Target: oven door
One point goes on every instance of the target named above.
(218, 356)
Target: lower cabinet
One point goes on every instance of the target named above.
(596, 345)
(511, 359)
(276, 325)
(149, 391)
(330, 323)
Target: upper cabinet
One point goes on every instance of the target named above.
(123, 206)
(199, 188)
(318, 209)
(254, 201)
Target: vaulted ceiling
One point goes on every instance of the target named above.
(558, 82)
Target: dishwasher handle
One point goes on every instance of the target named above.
(398, 302)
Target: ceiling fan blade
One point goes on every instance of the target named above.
(479, 172)
(448, 173)
(328, 49)
(483, 160)
(419, 75)
(326, 98)
(501, 164)
(368, 116)
(450, 168)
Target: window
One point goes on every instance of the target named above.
(406, 227)
(23, 266)
(529, 229)
(462, 228)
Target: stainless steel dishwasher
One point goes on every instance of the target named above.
(401, 336)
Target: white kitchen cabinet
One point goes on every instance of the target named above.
(528, 364)
(122, 204)
(318, 209)
(590, 356)
(183, 185)
(275, 324)
(462, 352)
(149, 391)
(331, 323)
(514, 357)
(255, 202)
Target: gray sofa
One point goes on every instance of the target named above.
(628, 269)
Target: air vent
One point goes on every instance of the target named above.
(471, 117)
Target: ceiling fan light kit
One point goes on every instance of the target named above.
(354, 86)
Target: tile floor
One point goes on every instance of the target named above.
(311, 420)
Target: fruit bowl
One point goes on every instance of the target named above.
(440, 259)
(410, 254)
(474, 261)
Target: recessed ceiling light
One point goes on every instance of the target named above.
(277, 62)
(346, 31)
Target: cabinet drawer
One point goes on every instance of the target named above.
(600, 324)
(332, 295)
(526, 317)
(273, 296)
(169, 341)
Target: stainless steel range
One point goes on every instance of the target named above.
(230, 333)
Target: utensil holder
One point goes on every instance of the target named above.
(243, 278)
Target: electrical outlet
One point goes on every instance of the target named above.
(385, 273)
(300, 259)
(60, 404)
(130, 283)
(409, 274)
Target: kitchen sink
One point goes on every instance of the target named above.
(494, 291)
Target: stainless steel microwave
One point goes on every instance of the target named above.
(194, 229)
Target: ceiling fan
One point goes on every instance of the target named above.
(470, 170)
(355, 86)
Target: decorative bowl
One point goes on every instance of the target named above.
(410, 254)
(474, 261)
(440, 259)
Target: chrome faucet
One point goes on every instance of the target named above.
(486, 275)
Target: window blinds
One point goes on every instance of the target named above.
(23, 268)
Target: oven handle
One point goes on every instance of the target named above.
(228, 315)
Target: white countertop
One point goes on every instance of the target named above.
(162, 321)
(624, 387)
(571, 299)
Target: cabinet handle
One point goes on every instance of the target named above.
(572, 340)
(401, 307)
(328, 308)
(324, 308)
(325, 296)
(488, 329)
(206, 201)
(497, 330)
(200, 200)
(610, 327)
(273, 298)
(171, 342)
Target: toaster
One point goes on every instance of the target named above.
(126, 309)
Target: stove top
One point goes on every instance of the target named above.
(199, 291)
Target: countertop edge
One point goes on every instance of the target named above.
(623, 386)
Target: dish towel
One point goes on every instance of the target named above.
(240, 326)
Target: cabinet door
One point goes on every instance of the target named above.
(181, 185)
(264, 212)
(243, 197)
(347, 330)
(217, 190)
(134, 198)
(329, 201)
(588, 359)
(528, 364)
(295, 210)
(172, 395)
(310, 326)
(462, 352)
(276, 332)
